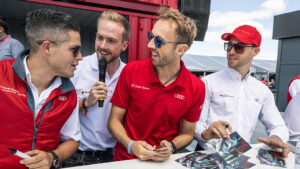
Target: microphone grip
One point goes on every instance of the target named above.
(102, 63)
(100, 102)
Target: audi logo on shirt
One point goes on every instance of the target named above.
(179, 96)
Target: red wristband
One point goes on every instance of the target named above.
(84, 106)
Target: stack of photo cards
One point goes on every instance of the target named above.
(201, 160)
(233, 147)
(271, 158)
(228, 157)
(240, 163)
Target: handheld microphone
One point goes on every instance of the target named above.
(102, 69)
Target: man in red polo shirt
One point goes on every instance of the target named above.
(157, 101)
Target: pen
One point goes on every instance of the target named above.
(18, 153)
(226, 128)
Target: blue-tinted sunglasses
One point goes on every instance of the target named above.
(157, 40)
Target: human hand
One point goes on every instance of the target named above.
(217, 130)
(143, 150)
(39, 159)
(277, 143)
(164, 154)
(98, 90)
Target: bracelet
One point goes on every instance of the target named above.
(173, 147)
(129, 147)
(84, 106)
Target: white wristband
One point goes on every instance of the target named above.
(129, 147)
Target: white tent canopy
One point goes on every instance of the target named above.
(201, 63)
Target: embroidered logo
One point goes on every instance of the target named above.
(11, 90)
(139, 87)
(179, 96)
(62, 98)
(83, 92)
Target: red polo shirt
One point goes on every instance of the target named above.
(154, 112)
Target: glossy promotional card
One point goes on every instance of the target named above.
(269, 157)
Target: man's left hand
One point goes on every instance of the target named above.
(39, 159)
(164, 154)
(277, 143)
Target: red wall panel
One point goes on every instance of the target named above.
(140, 23)
(140, 26)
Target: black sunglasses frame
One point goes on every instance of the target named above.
(75, 49)
(238, 48)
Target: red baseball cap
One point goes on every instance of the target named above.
(246, 34)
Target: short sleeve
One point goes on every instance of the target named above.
(121, 96)
(194, 112)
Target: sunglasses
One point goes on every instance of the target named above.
(157, 40)
(238, 48)
(75, 49)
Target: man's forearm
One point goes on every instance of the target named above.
(117, 130)
(182, 140)
(66, 149)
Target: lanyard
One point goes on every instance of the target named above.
(5, 40)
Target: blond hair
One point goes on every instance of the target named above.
(186, 30)
(115, 17)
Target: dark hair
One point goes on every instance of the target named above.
(48, 24)
(3, 24)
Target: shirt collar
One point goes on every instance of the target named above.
(19, 69)
(55, 84)
(1, 39)
(153, 78)
(236, 75)
(94, 63)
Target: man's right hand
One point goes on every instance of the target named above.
(217, 130)
(143, 150)
(98, 90)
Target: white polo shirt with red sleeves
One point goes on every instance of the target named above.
(154, 112)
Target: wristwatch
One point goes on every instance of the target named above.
(55, 163)
(173, 147)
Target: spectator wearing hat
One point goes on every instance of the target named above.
(236, 100)
(9, 47)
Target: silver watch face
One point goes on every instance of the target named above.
(55, 163)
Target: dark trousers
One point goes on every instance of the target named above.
(89, 157)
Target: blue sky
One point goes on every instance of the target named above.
(226, 15)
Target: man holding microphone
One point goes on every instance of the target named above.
(96, 145)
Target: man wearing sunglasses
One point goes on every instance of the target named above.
(236, 100)
(39, 110)
(96, 145)
(157, 101)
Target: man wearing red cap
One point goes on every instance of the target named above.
(235, 100)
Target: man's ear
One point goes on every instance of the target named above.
(45, 47)
(181, 49)
(124, 45)
(256, 51)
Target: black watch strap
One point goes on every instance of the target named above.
(173, 147)
(55, 163)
